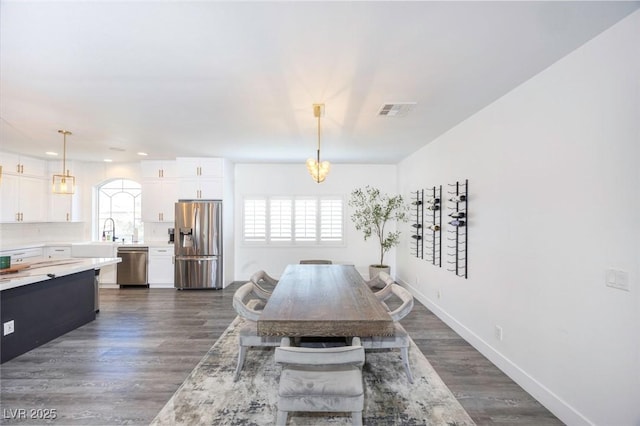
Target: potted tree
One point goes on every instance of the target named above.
(372, 212)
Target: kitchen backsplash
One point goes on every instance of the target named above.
(12, 234)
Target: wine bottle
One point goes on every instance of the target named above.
(433, 200)
(417, 225)
(433, 207)
(417, 237)
(417, 203)
(434, 227)
(457, 215)
(457, 222)
(458, 198)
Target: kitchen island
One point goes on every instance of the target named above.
(46, 300)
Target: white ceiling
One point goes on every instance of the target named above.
(238, 79)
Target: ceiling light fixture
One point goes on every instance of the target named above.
(64, 183)
(318, 170)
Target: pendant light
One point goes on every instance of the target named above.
(64, 183)
(318, 169)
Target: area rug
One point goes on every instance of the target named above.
(209, 396)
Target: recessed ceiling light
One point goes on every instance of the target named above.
(51, 153)
(108, 160)
(143, 154)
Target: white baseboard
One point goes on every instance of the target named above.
(565, 412)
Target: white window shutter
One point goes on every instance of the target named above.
(280, 222)
(255, 220)
(305, 219)
(331, 220)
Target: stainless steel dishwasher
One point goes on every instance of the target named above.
(133, 270)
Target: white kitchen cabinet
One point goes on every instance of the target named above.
(192, 167)
(23, 166)
(161, 266)
(159, 190)
(158, 169)
(23, 189)
(158, 200)
(52, 252)
(23, 199)
(201, 189)
(200, 178)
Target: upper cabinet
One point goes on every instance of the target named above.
(159, 190)
(23, 182)
(153, 169)
(20, 165)
(200, 167)
(200, 178)
(25, 188)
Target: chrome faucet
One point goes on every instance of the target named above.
(113, 228)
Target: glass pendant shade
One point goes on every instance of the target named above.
(64, 183)
(318, 170)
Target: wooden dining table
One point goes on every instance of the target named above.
(323, 300)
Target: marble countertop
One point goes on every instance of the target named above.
(42, 270)
(11, 247)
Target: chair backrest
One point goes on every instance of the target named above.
(239, 302)
(261, 280)
(341, 355)
(407, 302)
(315, 262)
(385, 279)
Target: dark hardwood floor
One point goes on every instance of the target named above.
(123, 367)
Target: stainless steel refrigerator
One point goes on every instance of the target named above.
(198, 244)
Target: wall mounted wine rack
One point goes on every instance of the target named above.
(457, 227)
(417, 223)
(433, 225)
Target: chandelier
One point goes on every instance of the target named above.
(64, 183)
(318, 169)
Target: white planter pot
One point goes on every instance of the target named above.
(375, 270)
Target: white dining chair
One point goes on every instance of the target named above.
(316, 262)
(263, 284)
(381, 286)
(400, 338)
(248, 333)
(320, 380)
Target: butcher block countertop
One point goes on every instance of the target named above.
(45, 269)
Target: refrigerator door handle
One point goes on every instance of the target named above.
(196, 229)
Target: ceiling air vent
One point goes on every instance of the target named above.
(397, 109)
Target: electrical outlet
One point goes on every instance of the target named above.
(8, 328)
(617, 279)
(498, 332)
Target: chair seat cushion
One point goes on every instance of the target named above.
(324, 381)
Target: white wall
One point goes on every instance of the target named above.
(554, 179)
(293, 179)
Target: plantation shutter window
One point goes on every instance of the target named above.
(303, 220)
(255, 220)
(331, 220)
(306, 217)
(280, 223)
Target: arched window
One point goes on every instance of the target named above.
(120, 200)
